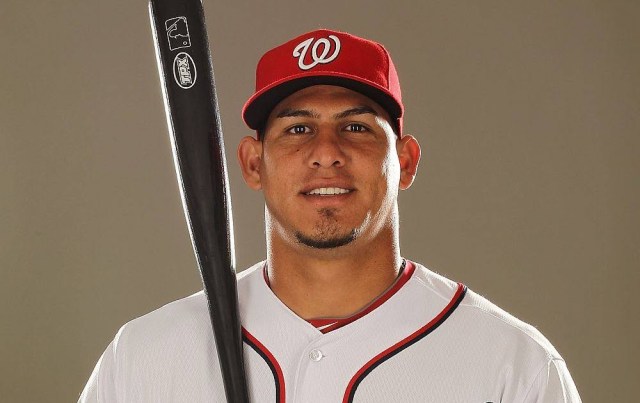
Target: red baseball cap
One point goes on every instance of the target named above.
(325, 57)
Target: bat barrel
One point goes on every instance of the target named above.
(184, 64)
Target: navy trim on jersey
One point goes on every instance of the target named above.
(278, 377)
(403, 344)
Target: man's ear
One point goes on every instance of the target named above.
(409, 156)
(250, 157)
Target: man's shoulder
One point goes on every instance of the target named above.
(508, 324)
(180, 318)
(185, 317)
(485, 320)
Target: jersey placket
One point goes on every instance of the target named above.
(318, 376)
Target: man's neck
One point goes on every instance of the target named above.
(314, 284)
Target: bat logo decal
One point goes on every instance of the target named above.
(316, 57)
(177, 33)
(184, 70)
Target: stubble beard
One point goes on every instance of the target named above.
(326, 232)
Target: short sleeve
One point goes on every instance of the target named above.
(553, 384)
(101, 384)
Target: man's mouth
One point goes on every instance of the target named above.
(327, 191)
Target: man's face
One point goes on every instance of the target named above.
(329, 168)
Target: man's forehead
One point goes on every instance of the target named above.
(312, 113)
(338, 102)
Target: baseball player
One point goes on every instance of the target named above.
(334, 313)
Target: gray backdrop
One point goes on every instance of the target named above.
(528, 189)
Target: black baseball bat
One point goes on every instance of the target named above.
(191, 105)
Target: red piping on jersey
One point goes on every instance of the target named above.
(322, 322)
(404, 343)
(271, 362)
(404, 277)
(338, 323)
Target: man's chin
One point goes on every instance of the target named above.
(326, 242)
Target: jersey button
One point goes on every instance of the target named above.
(315, 355)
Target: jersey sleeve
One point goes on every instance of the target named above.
(553, 384)
(101, 386)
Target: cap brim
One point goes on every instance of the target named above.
(259, 106)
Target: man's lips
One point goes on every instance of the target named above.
(326, 188)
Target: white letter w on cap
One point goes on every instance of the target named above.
(301, 51)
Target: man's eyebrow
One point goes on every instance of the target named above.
(292, 113)
(358, 110)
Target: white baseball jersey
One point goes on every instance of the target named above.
(426, 339)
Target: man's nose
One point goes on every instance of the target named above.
(326, 150)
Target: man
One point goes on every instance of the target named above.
(335, 313)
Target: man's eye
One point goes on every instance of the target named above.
(356, 127)
(298, 129)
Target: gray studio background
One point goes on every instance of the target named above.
(528, 115)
